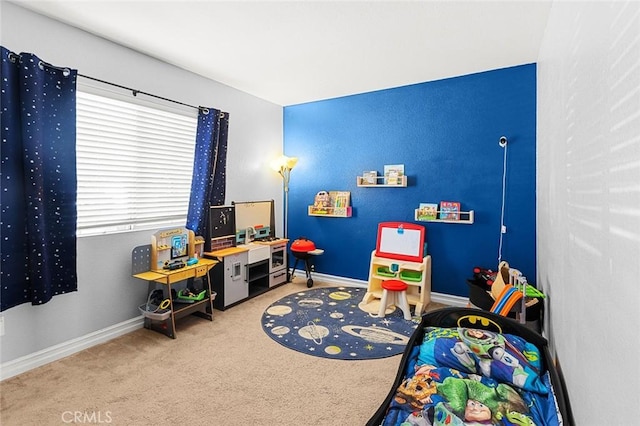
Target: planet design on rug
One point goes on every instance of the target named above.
(280, 330)
(376, 335)
(310, 303)
(340, 295)
(328, 322)
(279, 310)
(332, 350)
(314, 332)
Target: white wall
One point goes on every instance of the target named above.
(588, 201)
(107, 294)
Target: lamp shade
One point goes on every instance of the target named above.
(284, 162)
(290, 162)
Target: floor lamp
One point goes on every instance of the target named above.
(284, 165)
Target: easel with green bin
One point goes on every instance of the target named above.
(399, 255)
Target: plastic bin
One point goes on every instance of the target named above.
(188, 299)
(149, 312)
(414, 276)
(385, 272)
(480, 298)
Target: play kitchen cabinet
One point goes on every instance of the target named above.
(258, 268)
(230, 277)
(278, 261)
(246, 271)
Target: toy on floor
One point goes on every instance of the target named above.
(304, 249)
(505, 292)
(483, 277)
(506, 300)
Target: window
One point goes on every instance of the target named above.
(134, 162)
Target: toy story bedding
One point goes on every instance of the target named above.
(470, 367)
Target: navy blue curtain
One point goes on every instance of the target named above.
(38, 173)
(208, 184)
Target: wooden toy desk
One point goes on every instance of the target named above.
(202, 308)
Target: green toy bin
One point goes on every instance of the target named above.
(385, 271)
(187, 298)
(413, 276)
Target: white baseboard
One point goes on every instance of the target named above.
(37, 359)
(447, 299)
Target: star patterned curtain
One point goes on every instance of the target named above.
(38, 198)
(208, 182)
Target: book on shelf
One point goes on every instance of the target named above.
(393, 174)
(370, 177)
(340, 198)
(322, 200)
(428, 211)
(449, 210)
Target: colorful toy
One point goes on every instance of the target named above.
(483, 277)
(506, 300)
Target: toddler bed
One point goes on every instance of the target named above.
(466, 366)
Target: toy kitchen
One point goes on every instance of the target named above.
(252, 259)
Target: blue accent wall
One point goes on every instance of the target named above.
(446, 134)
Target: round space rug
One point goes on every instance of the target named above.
(331, 322)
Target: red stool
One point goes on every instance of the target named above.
(396, 292)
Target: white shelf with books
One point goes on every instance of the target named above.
(445, 212)
(380, 181)
(329, 211)
(393, 176)
(331, 204)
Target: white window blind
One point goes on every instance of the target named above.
(134, 165)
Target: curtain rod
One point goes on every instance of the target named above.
(135, 92)
(66, 71)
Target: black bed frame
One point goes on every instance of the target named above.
(475, 318)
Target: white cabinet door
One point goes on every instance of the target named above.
(236, 287)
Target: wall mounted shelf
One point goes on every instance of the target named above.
(466, 218)
(331, 204)
(329, 211)
(380, 182)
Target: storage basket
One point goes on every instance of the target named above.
(413, 276)
(186, 297)
(385, 272)
(149, 311)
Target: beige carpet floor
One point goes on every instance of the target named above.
(224, 372)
